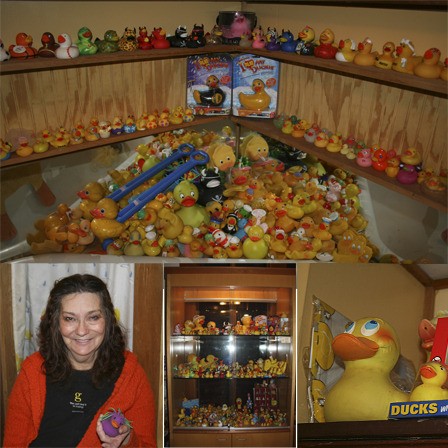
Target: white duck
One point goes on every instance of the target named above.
(66, 50)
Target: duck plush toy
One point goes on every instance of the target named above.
(370, 349)
(433, 376)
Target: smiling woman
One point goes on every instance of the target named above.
(81, 371)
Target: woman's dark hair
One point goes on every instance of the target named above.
(110, 356)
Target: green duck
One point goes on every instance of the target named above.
(84, 43)
(110, 42)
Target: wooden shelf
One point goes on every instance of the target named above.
(16, 160)
(266, 127)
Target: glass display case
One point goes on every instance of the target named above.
(230, 365)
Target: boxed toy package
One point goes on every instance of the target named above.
(209, 84)
(255, 86)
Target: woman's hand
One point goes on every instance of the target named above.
(122, 439)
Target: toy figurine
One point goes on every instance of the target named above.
(272, 43)
(256, 246)
(305, 43)
(179, 38)
(210, 186)
(104, 225)
(433, 376)
(258, 40)
(259, 100)
(129, 124)
(186, 195)
(104, 129)
(117, 126)
(49, 46)
(66, 50)
(143, 39)
(159, 40)
(370, 349)
(406, 60)
(408, 174)
(429, 67)
(197, 37)
(24, 149)
(5, 150)
(379, 159)
(326, 49)
(346, 51)
(4, 55)
(128, 42)
(364, 157)
(365, 56)
(23, 48)
(110, 42)
(84, 43)
(386, 59)
(214, 96)
(214, 37)
(112, 420)
(287, 42)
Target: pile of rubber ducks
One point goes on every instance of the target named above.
(406, 167)
(95, 130)
(231, 416)
(212, 367)
(259, 326)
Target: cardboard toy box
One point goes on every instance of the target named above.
(255, 86)
(209, 84)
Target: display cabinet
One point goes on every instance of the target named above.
(230, 356)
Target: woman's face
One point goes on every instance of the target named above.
(82, 325)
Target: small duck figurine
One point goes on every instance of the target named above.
(90, 195)
(24, 149)
(128, 41)
(214, 37)
(406, 59)
(408, 174)
(259, 100)
(66, 50)
(133, 247)
(364, 157)
(143, 39)
(4, 55)
(379, 159)
(197, 37)
(326, 49)
(364, 56)
(370, 348)
(411, 157)
(443, 73)
(272, 43)
(258, 40)
(110, 42)
(186, 194)
(49, 46)
(433, 376)
(5, 150)
(213, 96)
(287, 41)
(180, 37)
(429, 67)
(305, 42)
(104, 225)
(334, 143)
(23, 49)
(321, 140)
(84, 42)
(159, 39)
(386, 59)
(346, 50)
(256, 245)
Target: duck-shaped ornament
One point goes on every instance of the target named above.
(406, 60)
(186, 195)
(110, 42)
(84, 43)
(365, 56)
(49, 46)
(66, 50)
(370, 349)
(257, 101)
(429, 67)
(386, 59)
(433, 376)
(23, 48)
(305, 43)
(346, 50)
(326, 49)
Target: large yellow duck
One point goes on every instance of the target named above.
(257, 101)
(104, 224)
(370, 349)
(433, 376)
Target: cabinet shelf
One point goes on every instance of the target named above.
(15, 160)
(266, 127)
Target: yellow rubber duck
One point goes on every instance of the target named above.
(321, 140)
(257, 101)
(346, 51)
(429, 67)
(104, 224)
(256, 246)
(334, 144)
(433, 376)
(90, 195)
(365, 56)
(386, 59)
(370, 349)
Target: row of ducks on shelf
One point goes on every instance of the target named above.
(401, 58)
(63, 47)
(406, 167)
(94, 131)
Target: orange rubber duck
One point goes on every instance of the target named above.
(23, 48)
(430, 67)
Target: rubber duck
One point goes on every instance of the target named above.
(196, 39)
(429, 67)
(364, 56)
(49, 46)
(305, 43)
(443, 73)
(214, 37)
(386, 59)
(110, 42)
(393, 166)
(143, 39)
(178, 40)
(433, 376)
(133, 247)
(346, 50)
(379, 159)
(213, 96)
(129, 125)
(321, 140)
(310, 135)
(5, 150)
(257, 101)
(23, 48)
(4, 55)
(334, 143)
(287, 41)
(84, 42)
(272, 43)
(256, 245)
(407, 174)
(169, 223)
(258, 40)
(326, 49)
(90, 195)
(66, 50)
(24, 149)
(116, 247)
(159, 40)
(104, 225)
(288, 126)
(128, 41)
(370, 349)
(406, 60)
(235, 248)
(116, 127)
(364, 157)
(411, 157)
(186, 195)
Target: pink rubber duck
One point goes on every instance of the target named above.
(364, 157)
